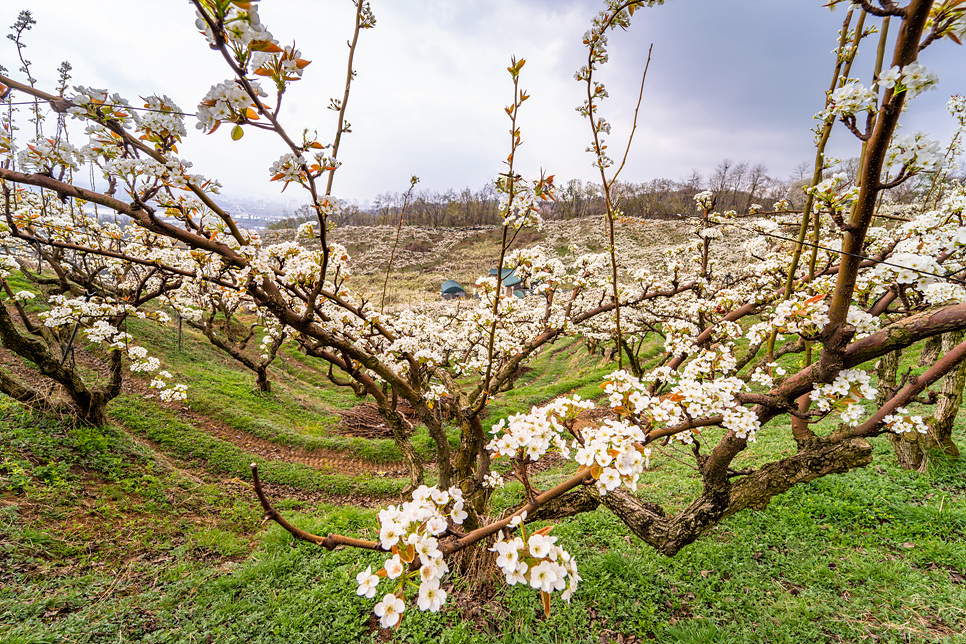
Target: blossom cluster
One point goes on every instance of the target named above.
(410, 532)
(45, 154)
(537, 560)
(765, 376)
(519, 201)
(900, 423)
(242, 26)
(913, 79)
(99, 106)
(915, 153)
(806, 316)
(611, 451)
(852, 97)
(849, 386)
(227, 101)
(162, 122)
(531, 435)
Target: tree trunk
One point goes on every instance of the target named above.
(261, 380)
(908, 452)
(400, 435)
(931, 351)
(939, 439)
(669, 534)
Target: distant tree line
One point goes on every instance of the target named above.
(736, 186)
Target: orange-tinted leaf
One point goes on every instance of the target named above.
(301, 63)
(217, 123)
(544, 531)
(408, 554)
(277, 177)
(595, 471)
(381, 573)
(317, 145)
(264, 45)
(261, 71)
(815, 298)
(546, 602)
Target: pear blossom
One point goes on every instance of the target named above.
(389, 610)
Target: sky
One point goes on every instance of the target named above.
(739, 79)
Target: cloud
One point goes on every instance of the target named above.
(740, 79)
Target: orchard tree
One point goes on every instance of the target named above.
(461, 359)
(843, 294)
(87, 300)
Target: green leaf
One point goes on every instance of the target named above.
(237, 132)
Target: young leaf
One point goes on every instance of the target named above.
(237, 132)
(266, 46)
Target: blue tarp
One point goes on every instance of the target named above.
(451, 286)
(507, 274)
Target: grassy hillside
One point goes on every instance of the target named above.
(426, 257)
(148, 530)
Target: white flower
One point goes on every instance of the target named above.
(539, 545)
(389, 610)
(852, 97)
(367, 583)
(431, 596)
(493, 480)
(610, 479)
(394, 567)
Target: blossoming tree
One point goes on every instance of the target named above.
(867, 292)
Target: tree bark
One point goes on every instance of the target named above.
(908, 453)
(931, 350)
(400, 435)
(939, 439)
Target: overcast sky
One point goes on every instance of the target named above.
(739, 79)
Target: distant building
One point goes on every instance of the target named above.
(451, 290)
(512, 284)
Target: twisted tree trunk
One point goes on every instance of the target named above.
(939, 439)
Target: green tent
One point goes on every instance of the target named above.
(451, 289)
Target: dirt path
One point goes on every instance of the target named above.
(322, 459)
(330, 461)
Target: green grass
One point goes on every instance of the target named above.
(180, 438)
(147, 532)
(873, 553)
